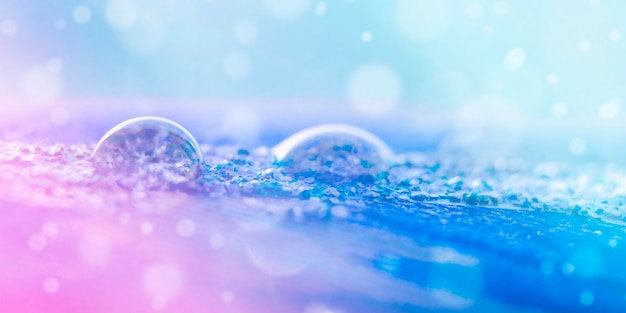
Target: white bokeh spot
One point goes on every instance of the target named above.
(60, 24)
(320, 9)
(228, 296)
(237, 65)
(366, 37)
(422, 20)
(584, 46)
(577, 146)
(8, 27)
(610, 109)
(216, 241)
(162, 282)
(146, 228)
(515, 58)
(501, 8)
(615, 35)
(374, 89)
(50, 229)
(287, 9)
(246, 32)
(474, 10)
(552, 78)
(81, 14)
(488, 30)
(54, 65)
(241, 124)
(186, 228)
(41, 85)
(95, 249)
(559, 110)
(51, 285)
(60, 116)
(37, 242)
(121, 13)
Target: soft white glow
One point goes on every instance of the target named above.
(318, 308)
(147, 34)
(245, 32)
(488, 30)
(124, 218)
(8, 27)
(552, 78)
(54, 65)
(159, 303)
(584, 46)
(228, 296)
(216, 241)
(474, 10)
(615, 35)
(374, 89)
(241, 124)
(186, 228)
(81, 14)
(146, 228)
(287, 9)
(237, 65)
(51, 285)
(577, 145)
(515, 59)
(320, 9)
(610, 109)
(50, 229)
(95, 249)
(612, 243)
(559, 109)
(41, 85)
(121, 13)
(501, 8)
(163, 281)
(60, 116)
(366, 37)
(567, 268)
(60, 24)
(587, 298)
(422, 20)
(37, 242)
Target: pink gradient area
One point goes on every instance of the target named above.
(60, 260)
(74, 241)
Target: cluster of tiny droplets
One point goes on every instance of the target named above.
(594, 190)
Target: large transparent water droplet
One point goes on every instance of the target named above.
(148, 153)
(333, 153)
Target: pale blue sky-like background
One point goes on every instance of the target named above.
(541, 60)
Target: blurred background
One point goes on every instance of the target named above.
(496, 77)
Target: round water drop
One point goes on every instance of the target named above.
(148, 153)
(333, 153)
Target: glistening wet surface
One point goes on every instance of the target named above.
(331, 221)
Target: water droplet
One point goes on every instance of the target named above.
(333, 153)
(148, 153)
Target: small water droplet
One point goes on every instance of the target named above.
(333, 153)
(148, 153)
